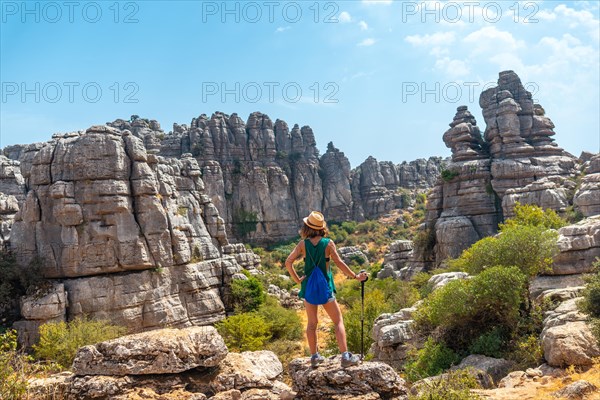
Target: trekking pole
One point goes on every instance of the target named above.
(362, 316)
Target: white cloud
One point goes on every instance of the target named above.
(367, 42)
(435, 39)
(371, 2)
(545, 15)
(345, 17)
(453, 68)
(491, 40)
(582, 18)
(282, 29)
(363, 25)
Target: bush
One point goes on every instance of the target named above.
(13, 368)
(247, 295)
(526, 352)
(489, 344)
(465, 309)
(286, 350)
(531, 248)
(431, 360)
(455, 385)
(59, 341)
(283, 323)
(532, 215)
(244, 332)
(591, 299)
(17, 280)
(525, 241)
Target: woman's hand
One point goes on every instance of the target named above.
(362, 276)
(301, 279)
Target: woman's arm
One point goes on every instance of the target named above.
(289, 262)
(342, 265)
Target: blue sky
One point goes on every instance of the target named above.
(379, 78)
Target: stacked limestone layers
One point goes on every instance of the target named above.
(375, 185)
(132, 237)
(12, 191)
(463, 208)
(515, 161)
(265, 172)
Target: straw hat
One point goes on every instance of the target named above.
(315, 220)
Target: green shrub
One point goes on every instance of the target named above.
(244, 332)
(430, 360)
(247, 295)
(525, 241)
(448, 175)
(591, 299)
(283, 323)
(455, 385)
(465, 309)
(59, 341)
(532, 215)
(531, 248)
(526, 352)
(13, 368)
(489, 344)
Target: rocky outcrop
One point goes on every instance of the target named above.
(191, 363)
(566, 337)
(263, 177)
(393, 335)
(395, 260)
(164, 351)
(106, 217)
(496, 368)
(579, 247)
(376, 186)
(587, 197)
(330, 381)
(12, 192)
(516, 160)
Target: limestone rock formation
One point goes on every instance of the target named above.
(263, 177)
(330, 381)
(515, 161)
(191, 363)
(497, 368)
(579, 247)
(105, 216)
(337, 194)
(566, 337)
(12, 192)
(393, 335)
(376, 185)
(587, 197)
(163, 351)
(395, 260)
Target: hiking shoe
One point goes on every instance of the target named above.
(349, 359)
(316, 359)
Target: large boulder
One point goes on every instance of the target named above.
(497, 368)
(163, 351)
(567, 338)
(330, 380)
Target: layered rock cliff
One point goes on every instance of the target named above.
(263, 177)
(515, 160)
(122, 234)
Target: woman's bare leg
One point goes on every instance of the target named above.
(334, 312)
(311, 326)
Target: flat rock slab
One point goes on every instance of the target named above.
(163, 351)
(330, 380)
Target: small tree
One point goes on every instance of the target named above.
(247, 294)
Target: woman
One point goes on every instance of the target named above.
(317, 250)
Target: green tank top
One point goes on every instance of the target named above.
(316, 254)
